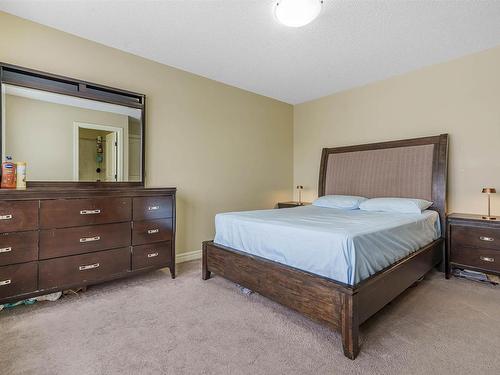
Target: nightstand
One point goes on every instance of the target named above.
(472, 243)
(291, 204)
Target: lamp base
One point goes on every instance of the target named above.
(489, 218)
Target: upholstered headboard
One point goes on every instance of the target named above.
(411, 168)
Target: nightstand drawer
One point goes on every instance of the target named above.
(473, 236)
(481, 258)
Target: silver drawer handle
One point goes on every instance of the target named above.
(153, 231)
(5, 282)
(5, 249)
(6, 217)
(487, 259)
(489, 239)
(90, 239)
(90, 212)
(152, 255)
(89, 267)
(153, 208)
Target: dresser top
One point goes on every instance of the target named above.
(473, 218)
(52, 192)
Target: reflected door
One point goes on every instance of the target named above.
(111, 157)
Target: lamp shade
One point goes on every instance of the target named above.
(489, 190)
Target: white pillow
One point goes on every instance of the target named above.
(343, 202)
(402, 205)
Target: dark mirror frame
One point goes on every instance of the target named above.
(34, 79)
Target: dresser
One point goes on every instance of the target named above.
(52, 239)
(472, 243)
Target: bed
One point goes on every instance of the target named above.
(336, 267)
(343, 245)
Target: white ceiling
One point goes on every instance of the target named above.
(238, 42)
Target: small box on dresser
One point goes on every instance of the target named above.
(473, 243)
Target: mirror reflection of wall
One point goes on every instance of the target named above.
(57, 135)
(134, 147)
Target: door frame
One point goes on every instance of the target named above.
(76, 147)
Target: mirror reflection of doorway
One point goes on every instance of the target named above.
(98, 153)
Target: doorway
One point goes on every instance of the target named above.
(98, 152)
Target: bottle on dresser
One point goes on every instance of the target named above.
(8, 174)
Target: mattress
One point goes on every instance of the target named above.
(346, 246)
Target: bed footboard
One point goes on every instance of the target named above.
(323, 300)
(339, 306)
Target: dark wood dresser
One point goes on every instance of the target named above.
(472, 243)
(53, 239)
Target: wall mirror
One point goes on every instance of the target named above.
(71, 131)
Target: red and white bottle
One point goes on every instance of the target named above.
(8, 174)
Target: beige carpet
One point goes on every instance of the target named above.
(154, 325)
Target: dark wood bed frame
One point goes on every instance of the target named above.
(339, 306)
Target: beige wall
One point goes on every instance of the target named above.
(223, 148)
(461, 97)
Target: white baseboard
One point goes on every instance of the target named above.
(186, 257)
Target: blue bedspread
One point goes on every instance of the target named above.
(347, 246)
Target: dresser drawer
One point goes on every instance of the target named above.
(79, 240)
(153, 255)
(18, 247)
(475, 236)
(18, 279)
(83, 269)
(63, 213)
(150, 231)
(486, 259)
(18, 216)
(149, 208)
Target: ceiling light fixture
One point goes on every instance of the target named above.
(297, 13)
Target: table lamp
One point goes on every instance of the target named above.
(300, 188)
(489, 191)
